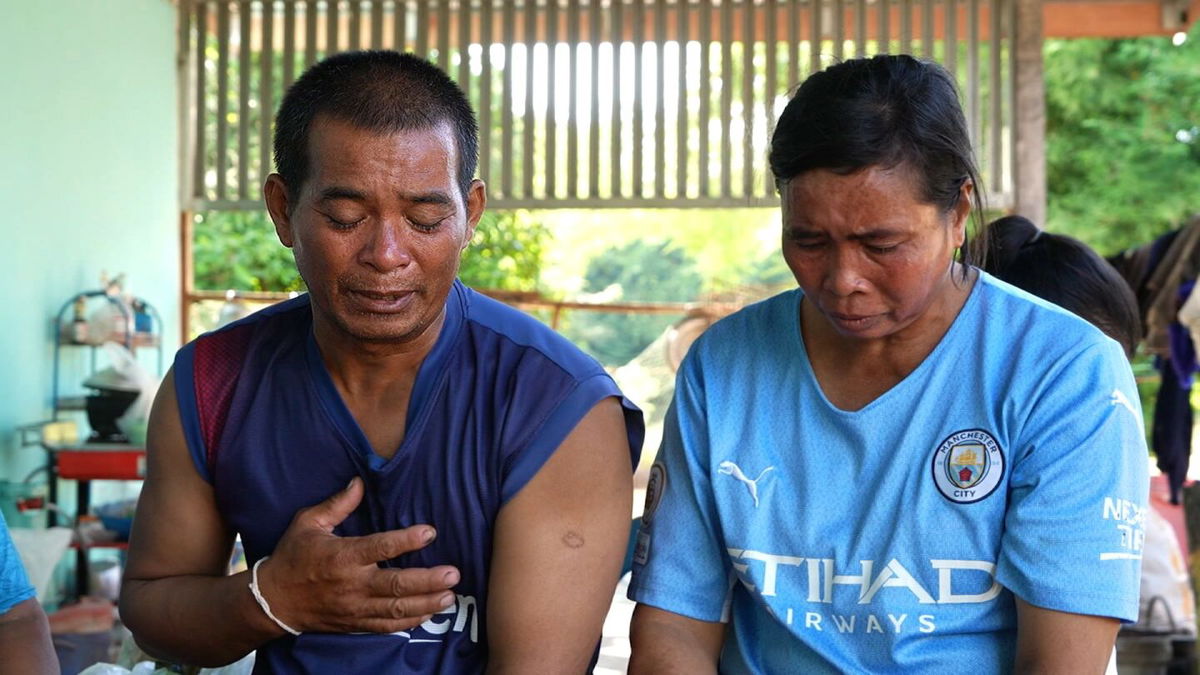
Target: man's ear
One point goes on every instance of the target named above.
(275, 194)
(476, 201)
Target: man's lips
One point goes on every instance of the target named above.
(384, 301)
(380, 295)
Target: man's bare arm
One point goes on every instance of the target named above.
(665, 643)
(1051, 642)
(181, 606)
(25, 640)
(558, 549)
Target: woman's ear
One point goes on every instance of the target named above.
(961, 212)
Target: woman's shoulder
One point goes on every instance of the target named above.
(1012, 315)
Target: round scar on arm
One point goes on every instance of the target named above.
(572, 539)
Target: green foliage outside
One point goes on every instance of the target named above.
(506, 253)
(239, 250)
(1122, 138)
(639, 270)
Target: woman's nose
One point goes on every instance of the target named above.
(843, 276)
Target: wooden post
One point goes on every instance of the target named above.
(1029, 120)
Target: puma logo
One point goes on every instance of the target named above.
(1119, 398)
(728, 468)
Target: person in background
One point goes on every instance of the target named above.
(903, 465)
(424, 480)
(25, 645)
(1068, 273)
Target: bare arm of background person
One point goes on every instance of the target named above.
(25, 640)
(181, 606)
(558, 549)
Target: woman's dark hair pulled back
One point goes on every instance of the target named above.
(884, 111)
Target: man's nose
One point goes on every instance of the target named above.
(387, 248)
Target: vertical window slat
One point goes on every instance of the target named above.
(639, 65)
(594, 127)
(529, 122)
(616, 29)
(726, 98)
(222, 97)
(486, 36)
(683, 21)
(927, 35)
(885, 28)
(377, 23)
(660, 109)
(199, 150)
(289, 44)
(705, 95)
(749, 39)
(266, 105)
(839, 30)
(354, 37)
(243, 116)
(421, 29)
(310, 33)
(573, 98)
(550, 138)
(443, 32)
(772, 82)
(508, 29)
(995, 97)
(816, 34)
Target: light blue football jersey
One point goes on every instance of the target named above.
(892, 538)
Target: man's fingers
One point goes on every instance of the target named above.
(386, 626)
(411, 607)
(399, 583)
(331, 512)
(374, 548)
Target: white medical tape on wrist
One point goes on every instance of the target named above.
(262, 602)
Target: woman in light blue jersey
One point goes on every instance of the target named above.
(904, 464)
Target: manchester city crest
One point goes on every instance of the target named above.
(968, 466)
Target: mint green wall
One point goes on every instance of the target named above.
(88, 180)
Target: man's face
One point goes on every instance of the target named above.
(377, 228)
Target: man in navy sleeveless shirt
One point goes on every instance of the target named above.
(424, 480)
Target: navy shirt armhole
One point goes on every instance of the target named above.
(558, 425)
(189, 413)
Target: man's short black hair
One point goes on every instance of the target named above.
(379, 91)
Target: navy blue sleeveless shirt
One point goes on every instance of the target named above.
(494, 398)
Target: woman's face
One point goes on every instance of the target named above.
(868, 252)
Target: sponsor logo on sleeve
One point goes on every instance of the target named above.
(968, 466)
(654, 491)
(1129, 522)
